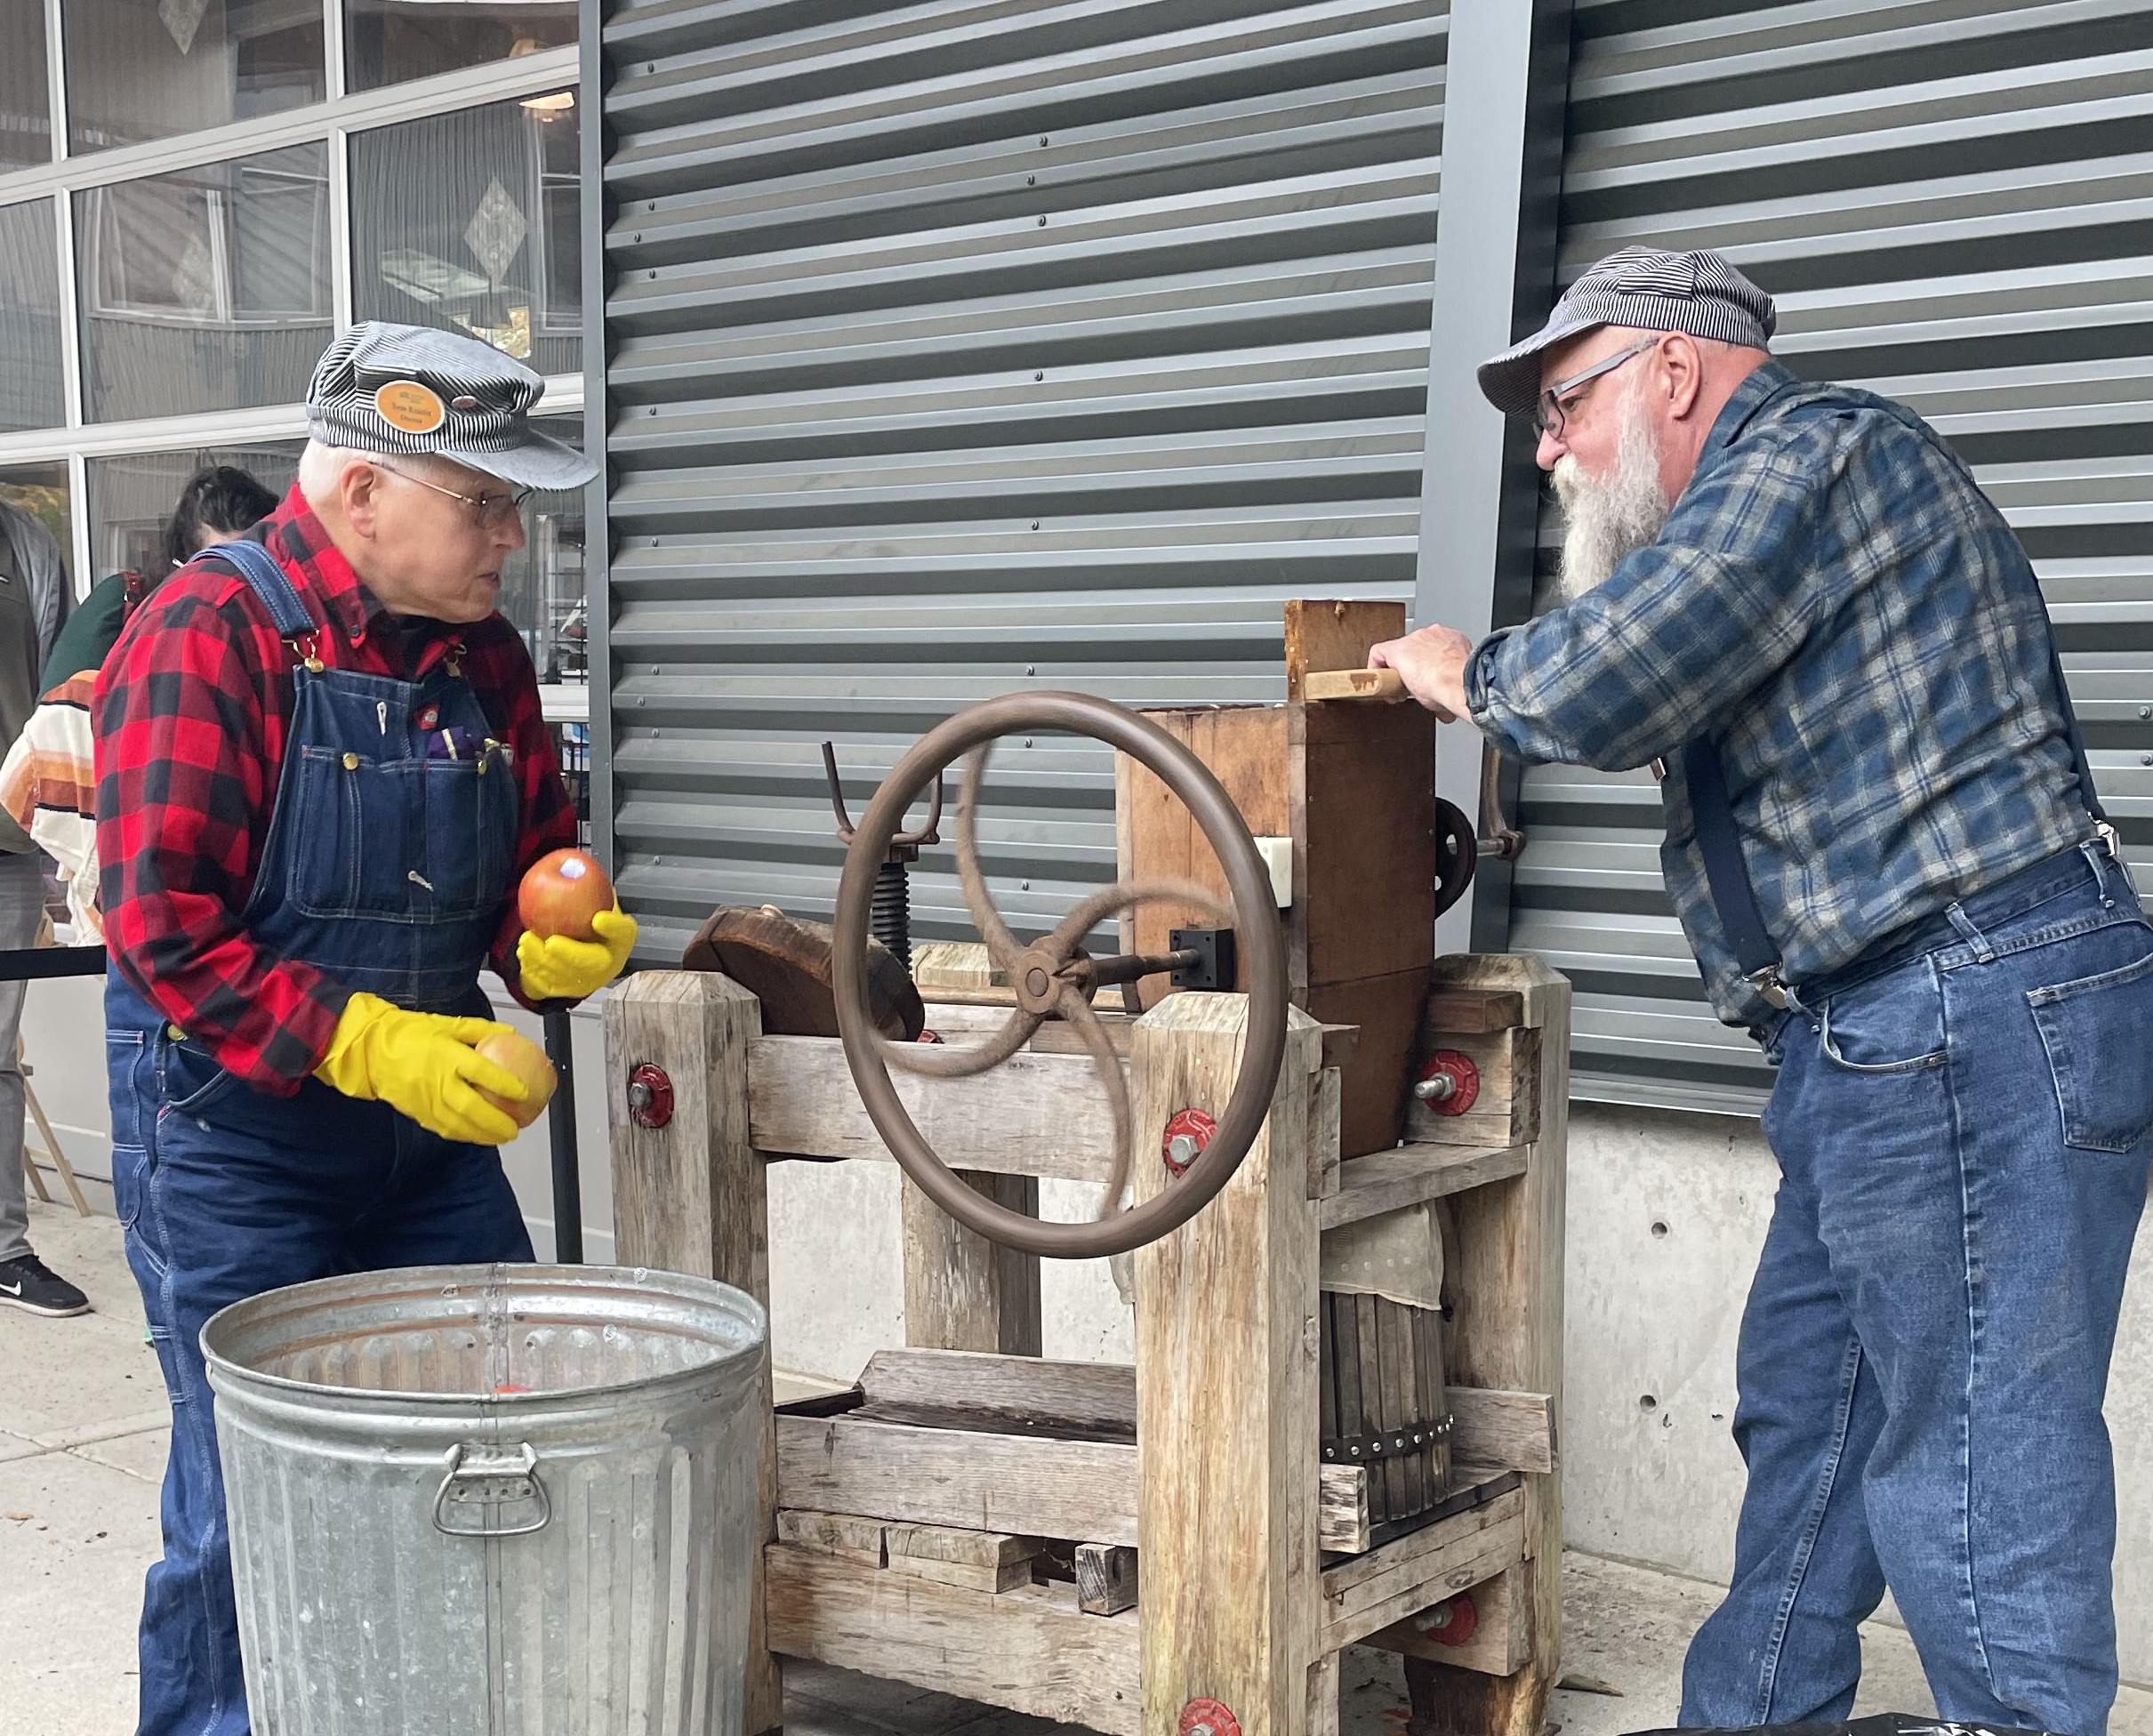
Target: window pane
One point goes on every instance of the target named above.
(542, 585)
(132, 497)
(468, 222)
(25, 92)
(139, 70)
(207, 289)
(392, 40)
(30, 384)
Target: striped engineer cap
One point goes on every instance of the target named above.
(1700, 293)
(398, 388)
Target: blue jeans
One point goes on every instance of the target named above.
(1963, 1138)
(224, 1194)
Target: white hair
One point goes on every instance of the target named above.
(321, 468)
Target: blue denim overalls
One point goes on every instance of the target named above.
(386, 866)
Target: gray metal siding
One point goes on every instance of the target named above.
(962, 348)
(1952, 201)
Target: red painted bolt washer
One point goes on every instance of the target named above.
(1208, 1717)
(650, 1095)
(1451, 1622)
(1450, 1082)
(1186, 1135)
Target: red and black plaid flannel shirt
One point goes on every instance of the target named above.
(193, 709)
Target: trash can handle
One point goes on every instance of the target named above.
(487, 1476)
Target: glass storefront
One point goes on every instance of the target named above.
(390, 41)
(206, 289)
(138, 70)
(25, 88)
(131, 498)
(541, 589)
(469, 222)
(32, 392)
(198, 276)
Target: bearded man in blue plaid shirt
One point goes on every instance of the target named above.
(1792, 602)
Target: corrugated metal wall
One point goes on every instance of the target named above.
(1953, 202)
(968, 348)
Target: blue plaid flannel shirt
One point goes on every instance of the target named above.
(1837, 603)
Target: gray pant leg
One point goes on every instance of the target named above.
(21, 900)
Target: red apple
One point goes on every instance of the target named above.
(528, 1061)
(562, 892)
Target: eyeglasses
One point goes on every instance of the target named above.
(1551, 416)
(488, 511)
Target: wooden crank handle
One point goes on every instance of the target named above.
(1384, 684)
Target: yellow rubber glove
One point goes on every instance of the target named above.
(425, 1064)
(558, 969)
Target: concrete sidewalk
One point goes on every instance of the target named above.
(83, 1430)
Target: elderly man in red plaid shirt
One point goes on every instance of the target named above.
(322, 771)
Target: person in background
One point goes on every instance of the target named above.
(35, 566)
(218, 502)
(30, 575)
(47, 784)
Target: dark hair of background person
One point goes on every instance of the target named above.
(221, 497)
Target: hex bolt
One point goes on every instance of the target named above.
(1438, 1089)
(1182, 1149)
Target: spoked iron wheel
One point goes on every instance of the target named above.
(1053, 975)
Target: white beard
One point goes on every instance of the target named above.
(1607, 518)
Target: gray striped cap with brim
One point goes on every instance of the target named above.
(1700, 293)
(398, 388)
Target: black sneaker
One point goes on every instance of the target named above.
(27, 1283)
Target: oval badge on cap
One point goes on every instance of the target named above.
(410, 406)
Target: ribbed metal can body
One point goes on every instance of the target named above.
(505, 1501)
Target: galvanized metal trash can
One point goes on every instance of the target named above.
(492, 1500)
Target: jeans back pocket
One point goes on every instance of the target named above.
(2099, 1034)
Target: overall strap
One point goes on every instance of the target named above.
(2076, 738)
(1726, 872)
(259, 568)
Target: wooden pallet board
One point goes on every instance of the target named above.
(911, 1474)
(1030, 1649)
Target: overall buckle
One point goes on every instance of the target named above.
(1767, 983)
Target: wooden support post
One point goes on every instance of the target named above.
(1508, 1334)
(1226, 1346)
(961, 1292)
(689, 1197)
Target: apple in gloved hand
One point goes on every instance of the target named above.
(562, 893)
(529, 1063)
(576, 937)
